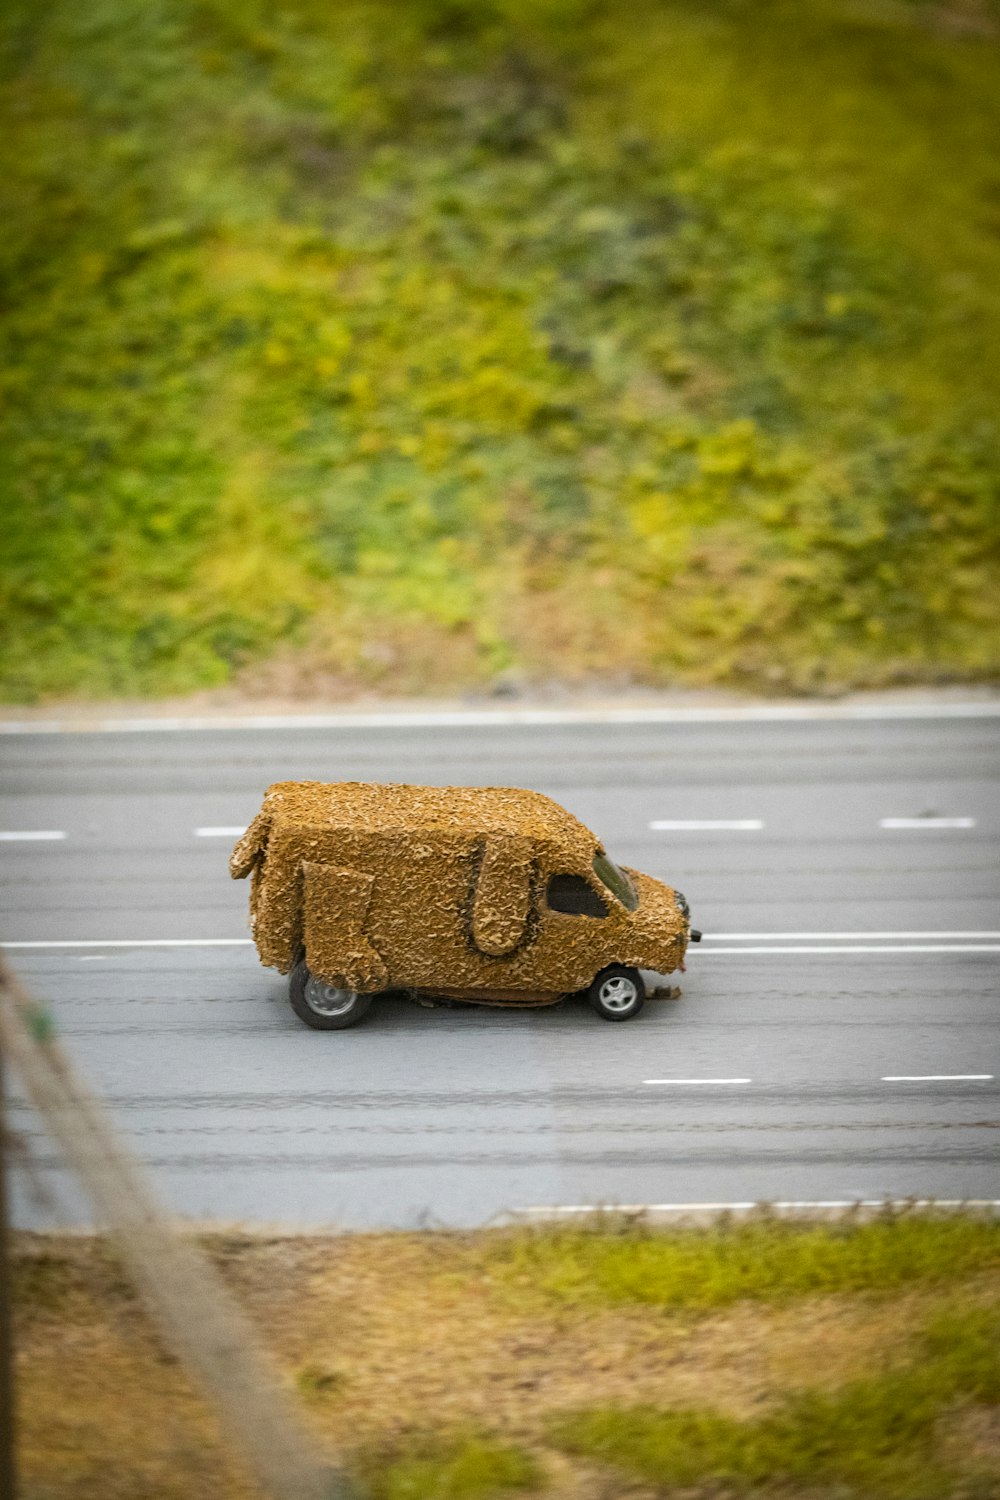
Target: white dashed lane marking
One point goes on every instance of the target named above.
(707, 825)
(938, 1078)
(658, 825)
(927, 822)
(31, 835)
(670, 1082)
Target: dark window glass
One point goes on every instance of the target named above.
(571, 894)
(616, 880)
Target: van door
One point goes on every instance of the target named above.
(578, 931)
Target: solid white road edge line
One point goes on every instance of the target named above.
(855, 948)
(34, 835)
(699, 953)
(780, 1206)
(470, 718)
(133, 943)
(828, 937)
(220, 833)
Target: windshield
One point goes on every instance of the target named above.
(616, 880)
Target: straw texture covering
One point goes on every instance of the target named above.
(431, 888)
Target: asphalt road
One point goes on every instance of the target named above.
(836, 1038)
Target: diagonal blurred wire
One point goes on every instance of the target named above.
(183, 1292)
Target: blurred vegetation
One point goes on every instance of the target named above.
(848, 1360)
(466, 1467)
(416, 345)
(764, 1259)
(873, 1437)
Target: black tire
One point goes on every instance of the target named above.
(321, 1005)
(617, 994)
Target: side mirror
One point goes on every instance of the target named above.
(502, 895)
(250, 847)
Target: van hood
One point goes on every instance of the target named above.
(659, 927)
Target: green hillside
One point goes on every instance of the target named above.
(415, 344)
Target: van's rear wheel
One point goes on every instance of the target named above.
(323, 1006)
(617, 994)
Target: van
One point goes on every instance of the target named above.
(489, 895)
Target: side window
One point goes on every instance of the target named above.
(574, 896)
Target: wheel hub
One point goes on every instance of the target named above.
(618, 993)
(326, 999)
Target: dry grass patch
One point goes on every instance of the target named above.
(440, 1376)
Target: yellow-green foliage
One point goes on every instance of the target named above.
(872, 1437)
(657, 337)
(466, 1467)
(765, 1259)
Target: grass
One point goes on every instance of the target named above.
(872, 1437)
(419, 1361)
(467, 1467)
(352, 346)
(769, 1260)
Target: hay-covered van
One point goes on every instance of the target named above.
(491, 895)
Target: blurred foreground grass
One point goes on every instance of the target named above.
(453, 1367)
(877, 1436)
(766, 1259)
(413, 346)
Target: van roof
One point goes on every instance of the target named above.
(457, 809)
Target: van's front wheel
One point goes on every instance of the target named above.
(617, 994)
(323, 1006)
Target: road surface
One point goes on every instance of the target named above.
(836, 1038)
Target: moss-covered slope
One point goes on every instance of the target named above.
(407, 345)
